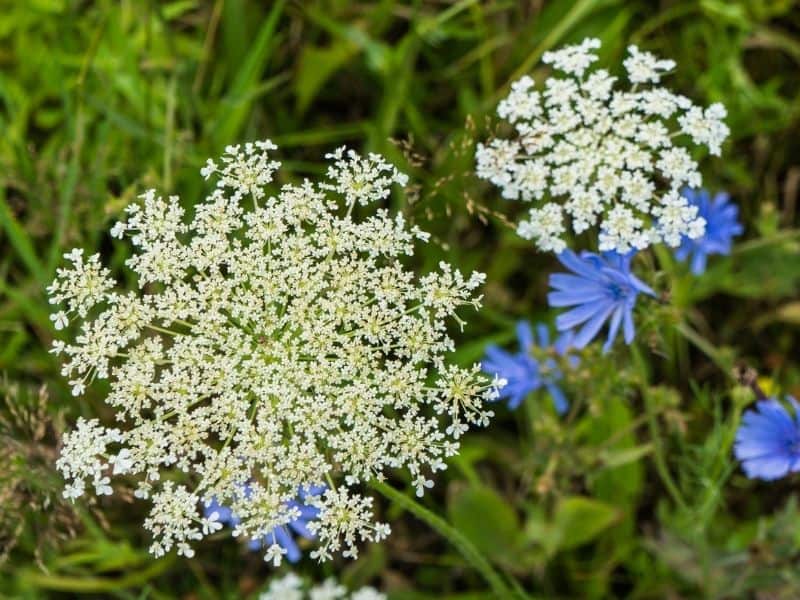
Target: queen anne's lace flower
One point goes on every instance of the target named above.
(590, 155)
(281, 347)
(282, 536)
(292, 587)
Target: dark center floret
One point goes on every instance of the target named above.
(617, 291)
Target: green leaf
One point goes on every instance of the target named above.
(175, 10)
(378, 54)
(369, 565)
(316, 67)
(20, 241)
(617, 458)
(621, 477)
(726, 11)
(577, 521)
(787, 313)
(240, 99)
(92, 585)
(563, 16)
(487, 520)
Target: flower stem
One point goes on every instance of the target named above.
(161, 329)
(658, 453)
(499, 586)
(655, 434)
(781, 236)
(706, 348)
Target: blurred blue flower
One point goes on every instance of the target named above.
(768, 440)
(522, 372)
(601, 288)
(721, 225)
(280, 535)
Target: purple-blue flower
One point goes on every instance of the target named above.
(280, 535)
(600, 288)
(522, 372)
(721, 225)
(768, 440)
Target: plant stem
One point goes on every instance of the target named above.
(655, 433)
(781, 236)
(705, 347)
(658, 453)
(161, 330)
(496, 582)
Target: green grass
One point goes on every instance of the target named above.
(634, 494)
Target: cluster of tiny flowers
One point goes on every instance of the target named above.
(586, 152)
(292, 587)
(282, 536)
(275, 342)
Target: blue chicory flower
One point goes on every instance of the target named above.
(280, 535)
(768, 440)
(721, 226)
(601, 288)
(522, 372)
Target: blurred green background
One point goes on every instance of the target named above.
(633, 495)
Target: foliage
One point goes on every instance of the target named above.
(632, 493)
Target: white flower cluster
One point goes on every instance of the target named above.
(279, 346)
(292, 587)
(595, 155)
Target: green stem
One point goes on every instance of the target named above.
(781, 236)
(161, 329)
(705, 347)
(498, 585)
(655, 433)
(658, 453)
(555, 34)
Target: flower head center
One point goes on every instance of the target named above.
(617, 291)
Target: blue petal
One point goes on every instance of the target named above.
(576, 316)
(515, 400)
(581, 266)
(543, 335)
(559, 399)
(255, 545)
(573, 283)
(628, 330)
(572, 297)
(497, 360)
(284, 540)
(767, 441)
(524, 335)
(564, 342)
(613, 328)
(640, 285)
(682, 251)
(590, 329)
(300, 526)
(768, 467)
(699, 262)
